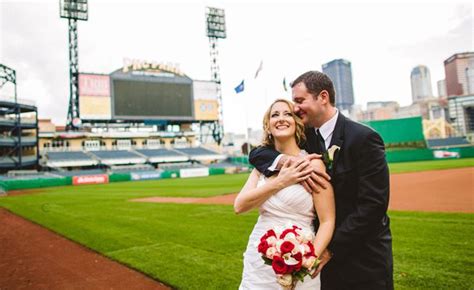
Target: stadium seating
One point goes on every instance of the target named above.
(115, 157)
(201, 154)
(163, 155)
(448, 142)
(178, 166)
(79, 172)
(131, 168)
(69, 159)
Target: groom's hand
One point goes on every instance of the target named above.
(324, 259)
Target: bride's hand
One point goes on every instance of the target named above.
(293, 172)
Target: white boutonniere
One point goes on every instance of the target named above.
(328, 156)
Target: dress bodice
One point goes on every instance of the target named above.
(292, 203)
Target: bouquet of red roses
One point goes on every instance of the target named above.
(290, 252)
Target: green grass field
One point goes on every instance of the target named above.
(200, 246)
(430, 165)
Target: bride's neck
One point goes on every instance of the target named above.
(287, 147)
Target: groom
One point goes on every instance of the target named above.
(360, 253)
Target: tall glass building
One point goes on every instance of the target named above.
(420, 83)
(340, 72)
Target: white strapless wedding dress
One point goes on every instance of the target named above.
(290, 205)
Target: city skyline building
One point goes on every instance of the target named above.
(420, 83)
(340, 72)
(459, 71)
(442, 88)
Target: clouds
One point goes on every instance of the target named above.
(40, 60)
(383, 42)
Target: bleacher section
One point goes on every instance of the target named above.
(131, 168)
(201, 154)
(178, 166)
(163, 155)
(115, 157)
(69, 159)
(144, 157)
(79, 172)
(448, 142)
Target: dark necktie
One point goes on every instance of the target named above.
(322, 144)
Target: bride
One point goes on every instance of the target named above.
(281, 200)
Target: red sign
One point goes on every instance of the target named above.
(94, 85)
(90, 179)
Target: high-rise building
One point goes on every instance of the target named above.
(459, 70)
(340, 72)
(442, 88)
(420, 83)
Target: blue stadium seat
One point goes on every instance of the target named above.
(448, 142)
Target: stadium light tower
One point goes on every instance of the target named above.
(73, 10)
(215, 19)
(8, 75)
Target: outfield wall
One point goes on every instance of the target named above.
(17, 184)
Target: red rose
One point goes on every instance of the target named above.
(298, 257)
(286, 247)
(268, 234)
(287, 231)
(262, 247)
(311, 250)
(279, 265)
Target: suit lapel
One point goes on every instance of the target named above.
(337, 139)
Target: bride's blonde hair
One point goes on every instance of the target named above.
(268, 139)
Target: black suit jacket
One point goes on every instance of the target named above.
(362, 242)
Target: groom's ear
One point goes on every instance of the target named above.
(324, 95)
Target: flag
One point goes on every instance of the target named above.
(259, 69)
(284, 85)
(240, 87)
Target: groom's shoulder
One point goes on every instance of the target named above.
(357, 127)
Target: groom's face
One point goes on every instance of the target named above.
(307, 106)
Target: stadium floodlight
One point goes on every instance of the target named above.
(73, 10)
(215, 19)
(8, 75)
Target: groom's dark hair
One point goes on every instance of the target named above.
(316, 82)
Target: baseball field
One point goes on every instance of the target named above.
(77, 234)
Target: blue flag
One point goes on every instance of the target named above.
(240, 87)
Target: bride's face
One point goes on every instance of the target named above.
(282, 124)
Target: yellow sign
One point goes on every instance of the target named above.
(206, 110)
(137, 65)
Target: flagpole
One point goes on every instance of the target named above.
(247, 133)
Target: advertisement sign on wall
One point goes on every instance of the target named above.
(145, 175)
(440, 154)
(90, 179)
(194, 172)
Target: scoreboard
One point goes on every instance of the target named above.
(142, 99)
(146, 91)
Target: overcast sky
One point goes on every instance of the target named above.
(383, 41)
